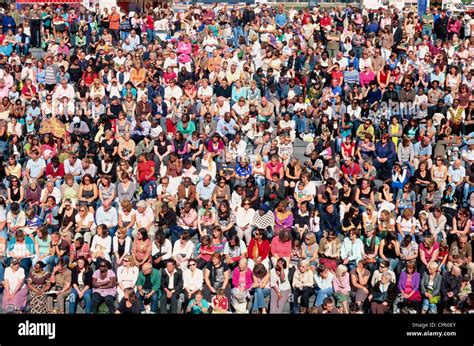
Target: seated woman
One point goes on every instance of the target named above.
(310, 249)
(383, 294)
(104, 287)
(127, 275)
(15, 292)
(260, 288)
(21, 248)
(330, 250)
(129, 304)
(342, 288)
(281, 287)
(216, 277)
(360, 285)
(81, 280)
(101, 244)
(352, 249)
(389, 250)
(242, 282)
(431, 289)
(234, 250)
(259, 249)
(39, 284)
(409, 287)
(183, 250)
(303, 283)
(204, 250)
(283, 217)
(141, 248)
(281, 246)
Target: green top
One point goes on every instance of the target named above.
(155, 279)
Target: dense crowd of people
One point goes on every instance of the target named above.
(151, 160)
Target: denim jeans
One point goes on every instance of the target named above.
(153, 301)
(431, 308)
(300, 123)
(393, 263)
(176, 232)
(426, 31)
(259, 295)
(261, 185)
(237, 32)
(74, 299)
(55, 260)
(467, 190)
(2, 271)
(321, 294)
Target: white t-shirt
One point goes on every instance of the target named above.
(14, 278)
(127, 218)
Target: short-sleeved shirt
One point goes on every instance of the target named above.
(217, 274)
(35, 167)
(463, 253)
(104, 291)
(196, 309)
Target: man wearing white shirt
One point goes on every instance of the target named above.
(205, 91)
(73, 166)
(50, 190)
(107, 215)
(144, 219)
(237, 147)
(64, 89)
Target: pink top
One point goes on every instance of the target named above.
(236, 280)
(341, 284)
(366, 78)
(429, 253)
(281, 249)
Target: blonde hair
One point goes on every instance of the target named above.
(131, 260)
(341, 270)
(429, 241)
(311, 238)
(126, 204)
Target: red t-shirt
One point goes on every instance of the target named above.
(144, 170)
(325, 21)
(274, 169)
(220, 303)
(337, 75)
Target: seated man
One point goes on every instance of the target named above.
(107, 215)
(148, 287)
(171, 284)
(166, 193)
(60, 286)
(144, 218)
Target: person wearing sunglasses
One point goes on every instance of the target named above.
(104, 287)
(193, 279)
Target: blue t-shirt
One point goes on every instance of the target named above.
(197, 309)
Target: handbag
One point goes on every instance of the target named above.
(435, 299)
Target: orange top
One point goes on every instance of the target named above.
(114, 21)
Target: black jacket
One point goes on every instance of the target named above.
(450, 283)
(391, 293)
(87, 277)
(178, 280)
